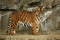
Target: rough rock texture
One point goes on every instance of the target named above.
(0, 22)
(52, 22)
(14, 4)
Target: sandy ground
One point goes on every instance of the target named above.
(48, 36)
(30, 37)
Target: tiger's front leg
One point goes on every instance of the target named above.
(35, 29)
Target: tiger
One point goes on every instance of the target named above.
(24, 16)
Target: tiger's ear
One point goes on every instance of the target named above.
(41, 9)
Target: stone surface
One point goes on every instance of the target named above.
(18, 4)
(51, 22)
(30, 37)
(14, 4)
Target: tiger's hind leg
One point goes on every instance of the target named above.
(13, 26)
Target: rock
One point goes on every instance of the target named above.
(52, 22)
(55, 3)
(14, 4)
(47, 3)
(50, 3)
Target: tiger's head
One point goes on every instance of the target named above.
(40, 9)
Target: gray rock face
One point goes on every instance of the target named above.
(50, 3)
(47, 3)
(10, 4)
(52, 23)
(56, 2)
(0, 20)
(16, 4)
(6, 4)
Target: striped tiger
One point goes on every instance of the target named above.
(23, 16)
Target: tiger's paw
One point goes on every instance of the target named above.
(13, 32)
(36, 33)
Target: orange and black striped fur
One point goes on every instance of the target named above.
(26, 16)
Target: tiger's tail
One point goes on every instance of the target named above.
(9, 24)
